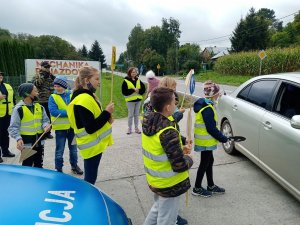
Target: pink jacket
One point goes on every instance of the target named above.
(152, 83)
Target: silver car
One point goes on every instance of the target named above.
(266, 110)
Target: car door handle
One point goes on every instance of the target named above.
(267, 124)
(234, 107)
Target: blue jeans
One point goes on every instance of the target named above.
(60, 137)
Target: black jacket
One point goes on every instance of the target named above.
(126, 91)
(85, 118)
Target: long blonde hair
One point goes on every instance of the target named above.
(168, 82)
(84, 72)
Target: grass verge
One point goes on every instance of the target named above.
(118, 98)
(234, 80)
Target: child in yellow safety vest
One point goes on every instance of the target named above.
(57, 105)
(166, 159)
(206, 138)
(28, 121)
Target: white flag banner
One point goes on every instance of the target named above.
(188, 77)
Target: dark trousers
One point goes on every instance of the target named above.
(91, 168)
(4, 137)
(35, 160)
(45, 105)
(206, 166)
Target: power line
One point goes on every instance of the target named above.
(228, 35)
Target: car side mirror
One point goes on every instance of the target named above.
(295, 122)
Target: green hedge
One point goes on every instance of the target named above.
(278, 60)
(12, 57)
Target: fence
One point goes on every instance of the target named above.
(15, 81)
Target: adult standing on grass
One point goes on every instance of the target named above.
(91, 124)
(58, 102)
(133, 89)
(7, 101)
(44, 83)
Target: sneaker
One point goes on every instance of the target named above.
(137, 131)
(77, 170)
(201, 192)
(181, 221)
(129, 131)
(59, 170)
(216, 190)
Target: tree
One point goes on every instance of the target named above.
(280, 39)
(153, 39)
(96, 54)
(158, 39)
(251, 33)
(189, 57)
(151, 58)
(5, 34)
(135, 45)
(52, 47)
(289, 36)
(84, 52)
(170, 34)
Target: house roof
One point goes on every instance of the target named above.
(215, 50)
(220, 54)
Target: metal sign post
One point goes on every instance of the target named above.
(158, 68)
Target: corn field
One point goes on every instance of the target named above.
(278, 60)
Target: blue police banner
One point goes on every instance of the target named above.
(192, 84)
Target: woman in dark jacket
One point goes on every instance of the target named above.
(133, 89)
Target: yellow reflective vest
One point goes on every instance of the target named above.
(31, 123)
(61, 123)
(97, 142)
(159, 172)
(10, 101)
(134, 95)
(202, 137)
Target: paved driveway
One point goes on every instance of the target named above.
(251, 196)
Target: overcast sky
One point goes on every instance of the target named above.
(110, 21)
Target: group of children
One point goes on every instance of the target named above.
(167, 159)
(166, 153)
(29, 121)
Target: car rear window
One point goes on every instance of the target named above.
(259, 92)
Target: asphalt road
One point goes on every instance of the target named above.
(251, 198)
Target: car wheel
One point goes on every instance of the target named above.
(227, 131)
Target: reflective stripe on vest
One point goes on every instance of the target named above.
(133, 96)
(31, 124)
(89, 144)
(202, 137)
(9, 102)
(159, 172)
(61, 123)
(94, 142)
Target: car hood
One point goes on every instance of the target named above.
(39, 196)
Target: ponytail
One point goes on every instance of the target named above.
(84, 72)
